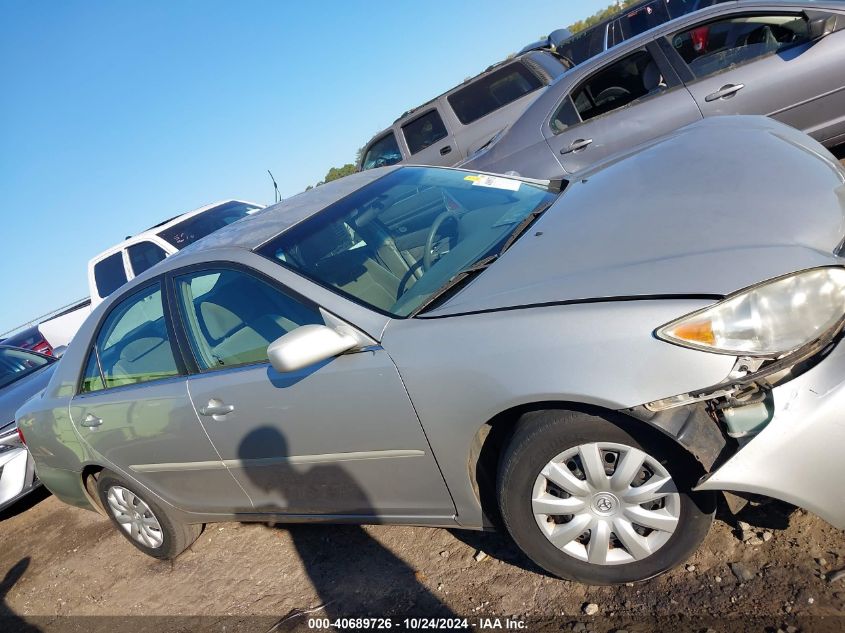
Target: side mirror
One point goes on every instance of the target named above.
(308, 345)
(821, 25)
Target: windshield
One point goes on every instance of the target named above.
(17, 363)
(198, 226)
(394, 243)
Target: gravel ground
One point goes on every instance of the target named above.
(775, 572)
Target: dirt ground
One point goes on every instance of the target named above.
(61, 561)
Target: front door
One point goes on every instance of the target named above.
(753, 63)
(338, 438)
(629, 101)
(133, 409)
(429, 141)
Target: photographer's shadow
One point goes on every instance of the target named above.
(353, 574)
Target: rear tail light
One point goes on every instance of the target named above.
(43, 347)
(20, 435)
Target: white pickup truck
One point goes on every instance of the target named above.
(112, 268)
(115, 266)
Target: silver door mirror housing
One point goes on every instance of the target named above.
(308, 345)
(820, 25)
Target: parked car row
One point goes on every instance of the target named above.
(782, 59)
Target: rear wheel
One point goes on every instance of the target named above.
(146, 524)
(600, 500)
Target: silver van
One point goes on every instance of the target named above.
(447, 129)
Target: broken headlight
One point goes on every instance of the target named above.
(767, 320)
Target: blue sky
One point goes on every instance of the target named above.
(117, 115)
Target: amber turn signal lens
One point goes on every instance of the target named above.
(695, 332)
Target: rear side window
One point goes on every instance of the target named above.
(424, 131)
(144, 255)
(232, 317)
(133, 345)
(710, 48)
(489, 93)
(109, 274)
(383, 152)
(617, 85)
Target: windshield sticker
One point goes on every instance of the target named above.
(495, 182)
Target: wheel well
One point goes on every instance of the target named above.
(493, 436)
(90, 474)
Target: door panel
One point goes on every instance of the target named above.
(802, 85)
(629, 101)
(151, 432)
(338, 438)
(429, 140)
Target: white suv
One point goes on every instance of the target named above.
(112, 268)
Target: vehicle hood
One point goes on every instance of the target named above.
(710, 209)
(15, 395)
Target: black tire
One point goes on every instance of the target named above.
(176, 535)
(540, 436)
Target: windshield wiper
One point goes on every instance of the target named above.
(454, 284)
(526, 222)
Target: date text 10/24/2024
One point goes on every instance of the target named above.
(430, 624)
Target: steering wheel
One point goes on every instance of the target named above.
(428, 255)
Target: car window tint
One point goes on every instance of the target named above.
(91, 378)
(617, 85)
(644, 17)
(133, 342)
(144, 255)
(712, 47)
(232, 317)
(383, 152)
(491, 92)
(109, 274)
(424, 131)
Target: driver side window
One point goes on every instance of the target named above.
(709, 48)
(613, 87)
(231, 317)
(383, 152)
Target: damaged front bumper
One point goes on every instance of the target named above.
(798, 456)
(17, 468)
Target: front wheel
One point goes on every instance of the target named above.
(143, 522)
(600, 500)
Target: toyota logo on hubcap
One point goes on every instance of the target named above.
(605, 503)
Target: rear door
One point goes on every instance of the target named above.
(763, 62)
(630, 100)
(132, 408)
(429, 141)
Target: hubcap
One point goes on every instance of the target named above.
(135, 516)
(606, 503)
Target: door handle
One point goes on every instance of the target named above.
(445, 150)
(577, 145)
(216, 409)
(91, 421)
(725, 92)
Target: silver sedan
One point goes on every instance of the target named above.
(780, 58)
(585, 362)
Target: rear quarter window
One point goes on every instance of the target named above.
(109, 274)
(491, 92)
